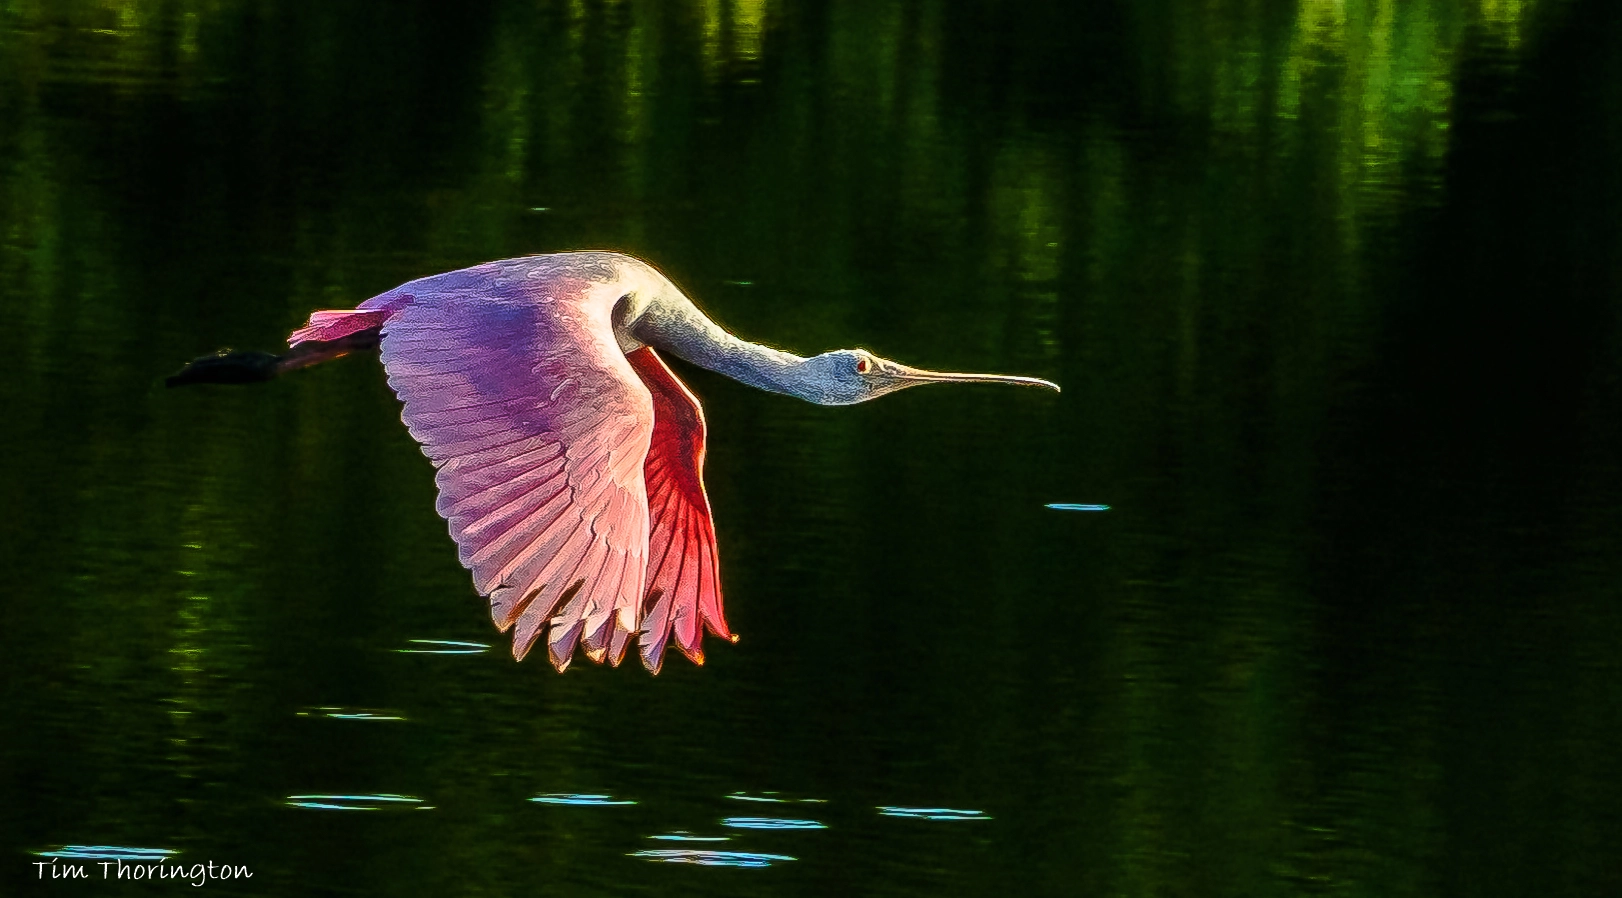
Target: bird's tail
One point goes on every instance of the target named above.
(230, 367)
(226, 367)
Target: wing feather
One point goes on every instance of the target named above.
(686, 606)
(683, 581)
(709, 581)
(501, 485)
(539, 428)
(544, 558)
(504, 509)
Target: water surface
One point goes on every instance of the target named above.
(1331, 288)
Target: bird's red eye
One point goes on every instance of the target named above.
(862, 365)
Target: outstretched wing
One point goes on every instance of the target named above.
(538, 426)
(684, 583)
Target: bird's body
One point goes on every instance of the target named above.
(569, 457)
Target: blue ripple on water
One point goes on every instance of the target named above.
(1076, 506)
(349, 714)
(108, 853)
(710, 858)
(773, 798)
(934, 813)
(771, 823)
(444, 647)
(578, 799)
(380, 802)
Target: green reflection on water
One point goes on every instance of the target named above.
(1348, 628)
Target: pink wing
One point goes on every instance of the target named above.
(516, 389)
(684, 583)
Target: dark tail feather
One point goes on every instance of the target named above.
(227, 367)
(230, 367)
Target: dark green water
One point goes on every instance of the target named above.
(1332, 287)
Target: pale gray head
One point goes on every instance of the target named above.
(849, 376)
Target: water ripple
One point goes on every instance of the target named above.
(357, 802)
(771, 823)
(1074, 506)
(108, 853)
(576, 799)
(934, 813)
(773, 798)
(444, 647)
(710, 858)
(350, 713)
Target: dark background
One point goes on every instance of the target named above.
(1331, 287)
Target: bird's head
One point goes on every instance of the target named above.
(849, 376)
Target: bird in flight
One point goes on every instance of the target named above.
(569, 457)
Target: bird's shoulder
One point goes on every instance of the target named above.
(573, 278)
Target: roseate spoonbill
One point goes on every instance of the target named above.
(570, 459)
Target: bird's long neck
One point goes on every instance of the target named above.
(675, 325)
(758, 366)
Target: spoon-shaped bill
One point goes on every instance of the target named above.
(915, 374)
